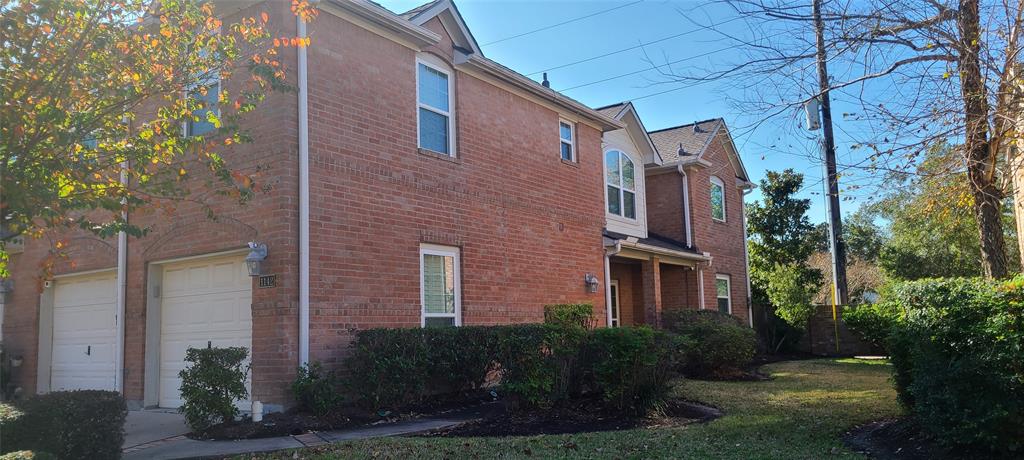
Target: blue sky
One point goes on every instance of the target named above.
(675, 26)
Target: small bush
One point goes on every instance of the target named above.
(210, 385)
(631, 366)
(87, 424)
(957, 353)
(315, 390)
(527, 373)
(577, 315)
(721, 344)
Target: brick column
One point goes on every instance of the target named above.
(651, 270)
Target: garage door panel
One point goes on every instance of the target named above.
(84, 332)
(205, 303)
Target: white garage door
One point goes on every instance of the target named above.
(205, 302)
(84, 332)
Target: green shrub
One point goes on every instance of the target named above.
(417, 363)
(315, 390)
(873, 322)
(579, 315)
(210, 385)
(722, 345)
(527, 373)
(631, 366)
(958, 359)
(87, 424)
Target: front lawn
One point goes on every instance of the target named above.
(801, 413)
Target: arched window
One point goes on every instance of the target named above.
(717, 199)
(620, 178)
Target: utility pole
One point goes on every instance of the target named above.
(835, 223)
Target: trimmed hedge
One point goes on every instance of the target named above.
(957, 349)
(720, 345)
(86, 424)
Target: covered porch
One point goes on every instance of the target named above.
(647, 276)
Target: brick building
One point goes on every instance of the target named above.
(413, 182)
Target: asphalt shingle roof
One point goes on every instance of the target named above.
(413, 12)
(610, 111)
(694, 138)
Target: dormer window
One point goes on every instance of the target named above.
(717, 199)
(567, 140)
(434, 102)
(620, 179)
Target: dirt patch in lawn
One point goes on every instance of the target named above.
(899, 438)
(586, 415)
(295, 422)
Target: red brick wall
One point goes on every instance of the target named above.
(724, 240)
(665, 205)
(528, 225)
(678, 288)
(631, 292)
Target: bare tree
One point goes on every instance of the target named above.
(916, 73)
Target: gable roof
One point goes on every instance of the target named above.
(625, 111)
(693, 137)
(450, 17)
(694, 140)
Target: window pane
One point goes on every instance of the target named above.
(565, 132)
(438, 284)
(722, 287)
(723, 306)
(627, 174)
(566, 151)
(433, 131)
(717, 202)
(611, 167)
(613, 201)
(433, 88)
(629, 204)
(200, 123)
(439, 322)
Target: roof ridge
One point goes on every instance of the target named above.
(685, 125)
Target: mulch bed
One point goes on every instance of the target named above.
(295, 422)
(899, 438)
(585, 415)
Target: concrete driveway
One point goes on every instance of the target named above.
(145, 426)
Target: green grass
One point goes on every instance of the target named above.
(801, 413)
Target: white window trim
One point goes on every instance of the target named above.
(571, 142)
(622, 196)
(437, 250)
(716, 181)
(614, 316)
(728, 285)
(204, 82)
(435, 63)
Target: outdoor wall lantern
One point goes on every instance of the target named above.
(254, 261)
(591, 282)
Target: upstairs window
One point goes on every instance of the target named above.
(439, 286)
(434, 102)
(717, 199)
(205, 117)
(722, 292)
(621, 182)
(567, 139)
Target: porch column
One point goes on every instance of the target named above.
(651, 271)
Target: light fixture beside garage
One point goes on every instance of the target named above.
(254, 261)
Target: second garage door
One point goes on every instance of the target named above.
(84, 332)
(205, 302)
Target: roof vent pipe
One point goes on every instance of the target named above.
(546, 83)
(682, 152)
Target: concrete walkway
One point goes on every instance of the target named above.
(146, 426)
(177, 447)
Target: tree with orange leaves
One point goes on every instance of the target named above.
(75, 75)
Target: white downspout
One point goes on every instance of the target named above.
(608, 282)
(122, 286)
(303, 198)
(686, 207)
(700, 287)
(746, 259)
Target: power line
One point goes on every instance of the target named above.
(552, 26)
(631, 48)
